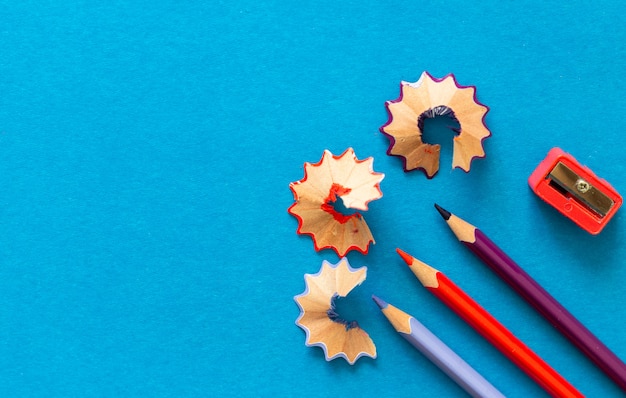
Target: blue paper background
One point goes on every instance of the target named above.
(145, 154)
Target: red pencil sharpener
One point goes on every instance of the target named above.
(575, 191)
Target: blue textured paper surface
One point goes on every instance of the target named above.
(145, 154)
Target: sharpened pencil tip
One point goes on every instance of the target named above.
(405, 256)
(379, 302)
(444, 213)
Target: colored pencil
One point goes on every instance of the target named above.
(492, 330)
(439, 353)
(537, 296)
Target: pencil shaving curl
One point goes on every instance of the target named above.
(431, 97)
(334, 177)
(323, 327)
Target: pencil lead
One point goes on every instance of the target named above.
(444, 213)
(381, 303)
(405, 256)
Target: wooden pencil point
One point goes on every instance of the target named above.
(400, 320)
(426, 274)
(444, 213)
(379, 302)
(405, 256)
(464, 231)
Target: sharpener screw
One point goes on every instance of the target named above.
(582, 186)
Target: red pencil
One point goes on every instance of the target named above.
(485, 324)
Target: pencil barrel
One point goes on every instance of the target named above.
(549, 307)
(492, 330)
(449, 362)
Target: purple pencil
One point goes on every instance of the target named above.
(537, 296)
(439, 353)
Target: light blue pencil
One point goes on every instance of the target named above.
(439, 353)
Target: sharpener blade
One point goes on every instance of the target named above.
(579, 188)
